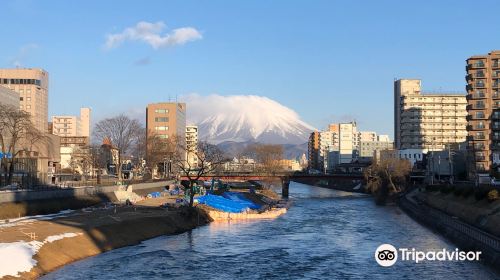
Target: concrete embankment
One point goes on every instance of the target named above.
(15, 204)
(463, 234)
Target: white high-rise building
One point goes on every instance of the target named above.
(192, 144)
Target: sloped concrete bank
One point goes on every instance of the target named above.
(467, 237)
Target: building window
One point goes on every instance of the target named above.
(161, 111)
(163, 136)
(28, 106)
(161, 128)
(28, 98)
(161, 119)
(20, 98)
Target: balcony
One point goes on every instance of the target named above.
(476, 65)
(480, 158)
(495, 117)
(478, 137)
(476, 106)
(477, 95)
(495, 64)
(480, 85)
(479, 147)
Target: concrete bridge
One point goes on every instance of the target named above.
(342, 182)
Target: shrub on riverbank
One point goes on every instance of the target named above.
(493, 195)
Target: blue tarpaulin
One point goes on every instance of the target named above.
(154, 194)
(240, 198)
(221, 203)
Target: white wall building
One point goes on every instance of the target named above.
(192, 144)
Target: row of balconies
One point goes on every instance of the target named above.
(476, 65)
(458, 120)
(440, 101)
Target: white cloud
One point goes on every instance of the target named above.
(150, 33)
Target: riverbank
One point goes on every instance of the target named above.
(461, 232)
(40, 244)
(36, 247)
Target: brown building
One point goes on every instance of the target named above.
(313, 151)
(33, 88)
(483, 111)
(166, 120)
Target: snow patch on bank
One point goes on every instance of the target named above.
(17, 256)
(29, 219)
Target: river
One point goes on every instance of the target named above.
(325, 235)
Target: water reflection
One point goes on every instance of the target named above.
(326, 235)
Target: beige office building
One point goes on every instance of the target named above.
(427, 120)
(9, 97)
(483, 107)
(33, 88)
(67, 126)
(166, 120)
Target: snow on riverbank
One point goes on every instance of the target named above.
(18, 256)
(27, 219)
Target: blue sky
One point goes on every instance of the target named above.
(327, 60)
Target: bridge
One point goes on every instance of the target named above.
(343, 182)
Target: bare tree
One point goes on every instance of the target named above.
(88, 159)
(387, 177)
(269, 157)
(123, 132)
(208, 159)
(17, 135)
(160, 150)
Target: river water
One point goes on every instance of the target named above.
(325, 235)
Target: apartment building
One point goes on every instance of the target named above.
(66, 126)
(33, 88)
(313, 151)
(166, 120)
(483, 111)
(427, 121)
(369, 146)
(192, 144)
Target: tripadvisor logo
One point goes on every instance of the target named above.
(387, 255)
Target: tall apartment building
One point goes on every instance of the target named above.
(33, 88)
(166, 120)
(9, 97)
(313, 151)
(483, 110)
(192, 144)
(427, 121)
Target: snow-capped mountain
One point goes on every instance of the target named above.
(241, 118)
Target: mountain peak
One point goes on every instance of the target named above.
(242, 118)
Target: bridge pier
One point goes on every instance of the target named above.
(285, 186)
